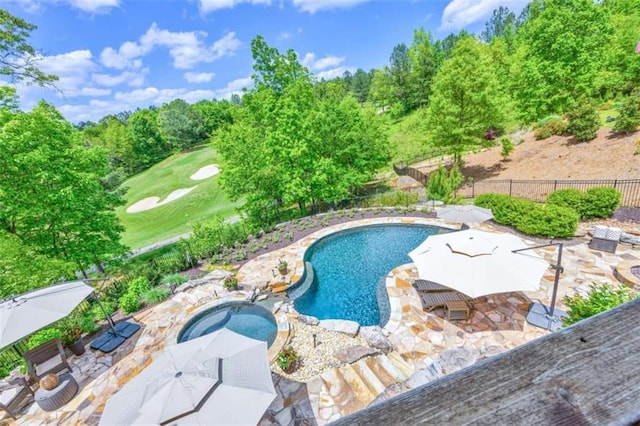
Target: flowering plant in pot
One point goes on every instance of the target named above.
(231, 282)
(287, 359)
(71, 337)
(283, 267)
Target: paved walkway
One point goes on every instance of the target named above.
(425, 346)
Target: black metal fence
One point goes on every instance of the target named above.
(404, 170)
(537, 190)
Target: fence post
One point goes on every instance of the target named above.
(615, 183)
(555, 184)
(510, 184)
(473, 188)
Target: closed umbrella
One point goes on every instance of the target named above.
(464, 213)
(25, 314)
(222, 378)
(478, 263)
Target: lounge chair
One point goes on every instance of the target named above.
(13, 394)
(430, 286)
(431, 301)
(47, 358)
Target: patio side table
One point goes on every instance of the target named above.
(457, 310)
(50, 400)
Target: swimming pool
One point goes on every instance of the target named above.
(244, 318)
(350, 267)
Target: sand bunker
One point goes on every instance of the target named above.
(206, 172)
(153, 202)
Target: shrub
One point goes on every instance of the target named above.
(529, 217)
(548, 221)
(129, 303)
(600, 202)
(601, 297)
(442, 184)
(629, 118)
(552, 125)
(584, 121)
(44, 336)
(507, 148)
(569, 197)
(138, 286)
(155, 295)
(230, 282)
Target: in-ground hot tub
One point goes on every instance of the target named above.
(244, 318)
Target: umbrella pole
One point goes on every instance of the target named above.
(540, 315)
(106, 314)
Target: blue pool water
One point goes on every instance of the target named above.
(247, 319)
(350, 265)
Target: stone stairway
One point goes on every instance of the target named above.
(347, 389)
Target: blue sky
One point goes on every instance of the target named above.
(118, 55)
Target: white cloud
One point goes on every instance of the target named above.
(73, 70)
(233, 88)
(312, 63)
(90, 6)
(186, 48)
(460, 13)
(134, 79)
(334, 72)
(94, 91)
(284, 36)
(199, 77)
(312, 6)
(207, 6)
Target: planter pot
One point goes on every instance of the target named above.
(290, 368)
(283, 271)
(77, 347)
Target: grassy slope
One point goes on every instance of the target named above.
(176, 217)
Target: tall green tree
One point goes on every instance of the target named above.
(293, 144)
(215, 114)
(467, 99)
(501, 24)
(50, 191)
(181, 125)
(559, 55)
(424, 66)
(400, 72)
(147, 142)
(18, 59)
(360, 85)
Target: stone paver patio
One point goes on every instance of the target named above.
(425, 346)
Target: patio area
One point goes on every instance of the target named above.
(423, 346)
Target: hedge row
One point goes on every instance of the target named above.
(593, 203)
(530, 217)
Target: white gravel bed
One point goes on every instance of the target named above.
(313, 361)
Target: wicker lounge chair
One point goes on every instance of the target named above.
(430, 286)
(431, 301)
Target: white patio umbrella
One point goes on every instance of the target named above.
(29, 312)
(478, 263)
(464, 213)
(222, 378)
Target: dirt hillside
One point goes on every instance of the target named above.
(559, 157)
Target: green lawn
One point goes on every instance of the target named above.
(175, 218)
(607, 113)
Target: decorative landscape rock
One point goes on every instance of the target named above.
(376, 338)
(211, 277)
(341, 326)
(307, 319)
(628, 238)
(354, 353)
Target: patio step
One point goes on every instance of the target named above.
(279, 288)
(340, 392)
(352, 387)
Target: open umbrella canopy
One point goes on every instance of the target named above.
(464, 213)
(29, 312)
(222, 378)
(478, 263)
